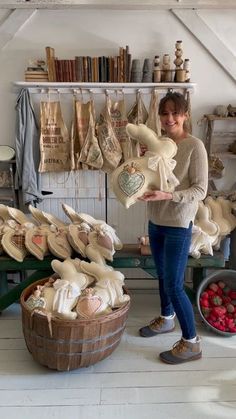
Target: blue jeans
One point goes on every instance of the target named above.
(170, 248)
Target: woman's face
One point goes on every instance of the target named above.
(172, 121)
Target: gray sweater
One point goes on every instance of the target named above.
(192, 172)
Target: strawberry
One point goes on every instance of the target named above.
(230, 308)
(226, 290)
(232, 294)
(213, 287)
(204, 295)
(219, 311)
(216, 300)
(204, 303)
(221, 284)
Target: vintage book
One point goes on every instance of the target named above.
(79, 68)
(36, 73)
(127, 63)
(118, 69)
(121, 62)
(50, 59)
(72, 67)
(129, 68)
(89, 64)
(85, 69)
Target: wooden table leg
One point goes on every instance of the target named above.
(3, 283)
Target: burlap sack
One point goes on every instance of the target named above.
(137, 115)
(108, 142)
(55, 144)
(153, 120)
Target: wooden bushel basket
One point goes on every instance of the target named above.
(73, 343)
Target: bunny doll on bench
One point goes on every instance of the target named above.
(140, 174)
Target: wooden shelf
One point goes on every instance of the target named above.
(225, 155)
(130, 88)
(211, 117)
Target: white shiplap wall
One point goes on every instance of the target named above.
(101, 32)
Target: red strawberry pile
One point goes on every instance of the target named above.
(218, 306)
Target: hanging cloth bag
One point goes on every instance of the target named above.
(137, 115)
(90, 152)
(119, 122)
(80, 128)
(108, 142)
(55, 144)
(153, 120)
(188, 122)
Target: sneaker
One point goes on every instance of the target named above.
(157, 326)
(182, 351)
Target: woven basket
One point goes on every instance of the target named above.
(73, 343)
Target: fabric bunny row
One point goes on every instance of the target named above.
(43, 233)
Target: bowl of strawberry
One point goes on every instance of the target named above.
(216, 301)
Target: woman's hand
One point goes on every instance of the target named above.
(155, 196)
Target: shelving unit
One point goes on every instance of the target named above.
(217, 142)
(225, 138)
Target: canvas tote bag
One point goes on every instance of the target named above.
(55, 144)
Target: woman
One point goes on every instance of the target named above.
(170, 226)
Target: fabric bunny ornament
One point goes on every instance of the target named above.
(154, 170)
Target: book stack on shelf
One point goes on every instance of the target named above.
(89, 69)
(36, 71)
(119, 68)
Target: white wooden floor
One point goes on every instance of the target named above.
(131, 384)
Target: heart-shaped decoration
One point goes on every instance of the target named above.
(88, 305)
(105, 241)
(83, 236)
(130, 183)
(37, 240)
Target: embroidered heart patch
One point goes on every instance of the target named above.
(130, 183)
(87, 306)
(37, 240)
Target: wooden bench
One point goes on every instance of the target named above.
(128, 257)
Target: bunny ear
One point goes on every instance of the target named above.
(142, 134)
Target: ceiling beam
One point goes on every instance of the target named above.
(119, 4)
(12, 25)
(208, 39)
